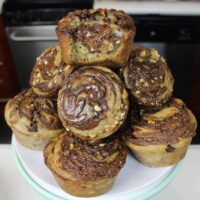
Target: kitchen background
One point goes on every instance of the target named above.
(1, 2)
(27, 27)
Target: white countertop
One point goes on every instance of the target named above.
(186, 184)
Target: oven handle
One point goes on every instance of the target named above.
(26, 38)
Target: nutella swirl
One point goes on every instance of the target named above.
(93, 36)
(117, 17)
(166, 126)
(31, 113)
(93, 103)
(106, 16)
(49, 72)
(68, 156)
(148, 78)
(95, 28)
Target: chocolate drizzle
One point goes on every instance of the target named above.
(86, 160)
(36, 111)
(83, 100)
(117, 17)
(49, 72)
(148, 77)
(163, 130)
(93, 36)
(93, 27)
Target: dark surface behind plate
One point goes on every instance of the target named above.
(6, 133)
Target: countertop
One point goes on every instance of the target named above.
(186, 184)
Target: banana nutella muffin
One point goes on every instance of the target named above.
(83, 168)
(162, 138)
(96, 37)
(93, 103)
(49, 72)
(148, 78)
(33, 119)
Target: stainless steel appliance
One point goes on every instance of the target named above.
(171, 27)
(30, 27)
(27, 42)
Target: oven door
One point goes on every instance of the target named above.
(27, 43)
(177, 38)
(183, 60)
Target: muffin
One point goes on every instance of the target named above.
(161, 138)
(33, 119)
(148, 78)
(96, 37)
(93, 103)
(49, 72)
(83, 168)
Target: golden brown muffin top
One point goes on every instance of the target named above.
(93, 102)
(148, 77)
(165, 126)
(95, 26)
(85, 160)
(49, 72)
(37, 111)
(118, 17)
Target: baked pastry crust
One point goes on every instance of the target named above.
(85, 168)
(162, 138)
(148, 78)
(93, 103)
(96, 37)
(160, 155)
(33, 119)
(49, 72)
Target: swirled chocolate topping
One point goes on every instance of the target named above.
(93, 101)
(93, 36)
(148, 77)
(117, 17)
(38, 111)
(166, 126)
(89, 161)
(92, 27)
(49, 72)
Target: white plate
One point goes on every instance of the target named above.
(133, 180)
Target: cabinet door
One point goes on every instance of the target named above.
(9, 85)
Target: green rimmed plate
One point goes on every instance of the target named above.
(46, 185)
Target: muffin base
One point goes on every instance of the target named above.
(84, 188)
(157, 155)
(35, 143)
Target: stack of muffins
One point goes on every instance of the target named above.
(160, 126)
(82, 114)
